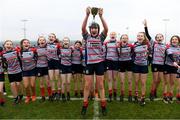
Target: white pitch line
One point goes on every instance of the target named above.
(74, 99)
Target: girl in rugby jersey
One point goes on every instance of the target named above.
(28, 59)
(66, 65)
(158, 56)
(94, 59)
(77, 68)
(53, 65)
(13, 64)
(42, 67)
(140, 59)
(171, 64)
(125, 64)
(2, 99)
(111, 59)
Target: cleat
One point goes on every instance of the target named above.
(42, 99)
(63, 97)
(136, 99)
(20, 97)
(142, 102)
(58, 96)
(170, 100)
(68, 96)
(110, 98)
(151, 97)
(16, 101)
(53, 96)
(121, 98)
(165, 100)
(81, 94)
(129, 98)
(83, 111)
(104, 111)
(75, 94)
(115, 96)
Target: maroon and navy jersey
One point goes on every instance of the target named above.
(12, 61)
(76, 55)
(94, 48)
(140, 54)
(175, 51)
(66, 56)
(52, 51)
(28, 59)
(111, 50)
(158, 52)
(42, 60)
(125, 52)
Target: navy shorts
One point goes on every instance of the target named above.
(77, 68)
(65, 69)
(125, 66)
(30, 73)
(97, 68)
(157, 68)
(140, 69)
(53, 64)
(111, 65)
(15, 77)
(170, 69)
(42, 71)
(2, 77)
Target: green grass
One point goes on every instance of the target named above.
(71, 109)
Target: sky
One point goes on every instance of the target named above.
(65, 17)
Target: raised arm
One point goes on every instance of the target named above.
(105, 31)
(85, 20)
(146, 29)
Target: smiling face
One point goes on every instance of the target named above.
(41, 41)
(113, 35)
(124, 39)
(94, 31)
(52, 38)
(25, 44)
(175, 40)
(8, 45)
(77, 45)
(159, 38)
(66, 42)
(140, 37)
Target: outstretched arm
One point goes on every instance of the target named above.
(105, 31)
(146, 29)
(85, 20)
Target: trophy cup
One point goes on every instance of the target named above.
(94, 11)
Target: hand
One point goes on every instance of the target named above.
(175, 64)
(145, 23)
(88, 9)
(100, 11)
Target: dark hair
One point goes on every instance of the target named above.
(21, 43)
(176, 37)
(78, 42)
